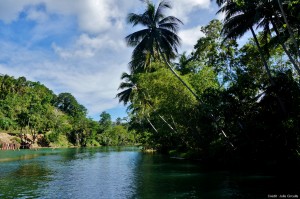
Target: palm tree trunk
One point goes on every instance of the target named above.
(267, 69)
(262, 56)
(285, 49)
(289, 28)
(152, 125)
(178, 77)
(169, 125)
(163, 119)
(195, 95)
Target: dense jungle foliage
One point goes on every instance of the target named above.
(226, 101)
(31, 108)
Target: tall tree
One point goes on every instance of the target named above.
(289, 27)
(105, 120)
(158, 39)
(67, 103)
(244, 15)
(240, 16)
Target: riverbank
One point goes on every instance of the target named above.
(5, 137)
(13, 141)
(9, 142)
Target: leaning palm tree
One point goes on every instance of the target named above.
(243, 15)
(288, 27)
(127, 95)
(130, 93)
(269, 14)
(158, 39)
(127, 86)
(239, 18)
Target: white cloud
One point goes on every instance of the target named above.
(93, 82)
(77, 53)
(36, 15)
(93, 16)
(86, 46)
(221, 16)
(10, 10)
(190, 37)
(182, 8)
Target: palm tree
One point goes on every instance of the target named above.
(129, 85)
(289, 27)
(158, 40)
(128, 95)
(239, 18)
(269, 14)
(262, 13)
(131, 94)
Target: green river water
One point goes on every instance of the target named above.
(112, 172)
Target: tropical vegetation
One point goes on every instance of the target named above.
(30, 108)
(226, 101)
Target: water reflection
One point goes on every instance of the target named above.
(162, 177)
(109, 172)
(24, 181)
(93, 173)
(7, 156)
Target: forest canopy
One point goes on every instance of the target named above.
(28, 107)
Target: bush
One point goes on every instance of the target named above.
(6, 123)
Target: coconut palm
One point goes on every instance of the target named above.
(270, 19)
(158, 39)
(142, 103)
(240, 18)
(259, 13)
(129, 85)
(128, 95)
(289, 27)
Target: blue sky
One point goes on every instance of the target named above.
(78, 46)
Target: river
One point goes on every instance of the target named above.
(125, 172)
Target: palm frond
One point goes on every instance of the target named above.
(126, 76)
(159, 11)
(136, 37)
(159, 33)
(126, 85)
(170, 26)
(124, 96)
(170, 19)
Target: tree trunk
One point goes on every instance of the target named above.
(195, 95)
(296, 65)
(169, 125)
(289, 28)
(152, 125)
(262, 57)
(267, 69)
(178, 77)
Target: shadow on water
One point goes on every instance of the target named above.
(24, 181)
(21, 155)
(160, 176)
